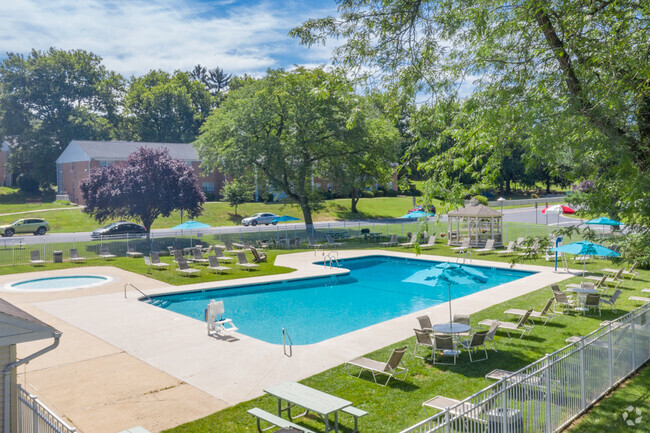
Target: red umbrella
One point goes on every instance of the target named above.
(556, 209)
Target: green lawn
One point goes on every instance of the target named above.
(398, 406)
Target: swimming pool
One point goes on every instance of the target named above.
(52, 284)
(316, 309)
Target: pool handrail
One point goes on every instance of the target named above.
(143, 293)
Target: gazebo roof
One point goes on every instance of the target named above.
(474, 209)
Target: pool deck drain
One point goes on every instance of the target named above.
(103, 331)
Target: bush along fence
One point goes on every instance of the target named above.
(17, 250)
(549, 394)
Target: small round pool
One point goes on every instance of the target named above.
(54, 284)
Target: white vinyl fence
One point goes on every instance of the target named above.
(35, 417)
(547, 395)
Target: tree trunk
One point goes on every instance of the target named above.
(508, 187)
(353, 206)
(306, 212)
(548, 185)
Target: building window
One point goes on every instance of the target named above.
(104, 163)
(207, 186)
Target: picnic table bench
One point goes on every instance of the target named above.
(262, 415)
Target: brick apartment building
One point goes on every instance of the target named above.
(80, 157)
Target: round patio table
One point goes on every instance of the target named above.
(451, 328)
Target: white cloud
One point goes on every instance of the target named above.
(133, 36)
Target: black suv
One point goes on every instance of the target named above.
(119, 228)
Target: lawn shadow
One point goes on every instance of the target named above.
(235, 218)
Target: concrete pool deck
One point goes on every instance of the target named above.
(160, 369)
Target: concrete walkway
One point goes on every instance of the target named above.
(123, 362)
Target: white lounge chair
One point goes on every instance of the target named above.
(391, 243)
(411, 241)
(510, 249)
(185, 269)
(75, 257)
(639, 299)
(468, 411)
(105, 254)
(36, 258)
(155, 261)
(547, 313)
(197, 257)
(463, 246)
(215, 266)
(430, 244)
(218, 252)
(522, 326)
(242, 262)
(331, 242)
(489, 247)
(230, 249)
(131, 252)
(394, 367)
(217, 324)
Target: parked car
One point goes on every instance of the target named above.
(119, 228)
(260, 218)
(25, 225)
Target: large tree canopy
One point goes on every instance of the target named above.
(149, 184)
(567, 78)
(49, 98)
(286, 127)
(162, 107)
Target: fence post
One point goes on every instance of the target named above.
(611, 358)
(447, 426)
(13, 254)
(504, 406)
(34, 414)
(547, 370)
(633, 324)
(359, 229)
(583, 393)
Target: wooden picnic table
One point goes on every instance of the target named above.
(321, 403)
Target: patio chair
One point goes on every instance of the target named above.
(489, 247)
(611, 300)
(430, 243)
(446, 345)
(556, 289)
(475, 343)
(592, 302)
(547, 313)
(243, 262)
(491, 333)
(422, 338)
(215, 320)
(262, 245)
(184, 268)
(155, 261)
(35, 260)
(131, 252)
(230, 249)
(425, 323)
(520, 242)
(257, 256)
(394, 367)
(564, 301)
(463, 246)
(391, 243)
(218, 252)
(410, 242)
(606, 280)
(75, 257)
(464, 319)
(521, 326)
(632, 272)
(104, 253)
(197, 257)
(510, 249)
(331, 242)
(215, 266)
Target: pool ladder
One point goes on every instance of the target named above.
(464, 255)
(330, 258)
(285, 337)
(143, 293)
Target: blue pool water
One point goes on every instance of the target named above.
(59, 283)
(315, 309)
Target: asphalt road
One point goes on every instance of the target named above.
(528, 215)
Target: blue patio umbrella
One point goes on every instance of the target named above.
(284, 218)
(447, 274)
(417, 214)
(604, 221)
(190, 225)
(585, 248)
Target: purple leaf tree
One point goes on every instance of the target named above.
(149, 184)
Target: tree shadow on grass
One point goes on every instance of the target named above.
(235, 218)
(343, 213)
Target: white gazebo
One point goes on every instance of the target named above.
(476, 222)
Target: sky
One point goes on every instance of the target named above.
(135, 36)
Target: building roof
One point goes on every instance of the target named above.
(18, 326)
(86, 150)
(474, 209)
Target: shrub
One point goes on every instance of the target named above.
(378, 193)
(27, 183)
(481, 199)
(210, 196)
(391, 193)
(367, 194)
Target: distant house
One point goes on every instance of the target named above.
(6, 177)
(18, 326)
(81, 157)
